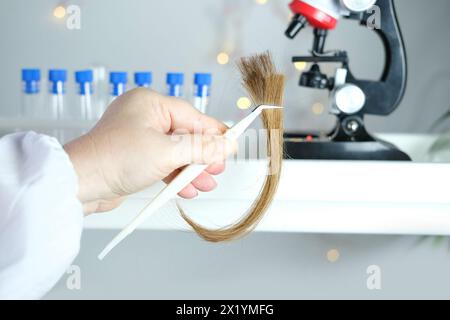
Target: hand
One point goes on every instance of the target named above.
(142, 138)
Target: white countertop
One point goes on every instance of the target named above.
(313, 196)
(318, 197)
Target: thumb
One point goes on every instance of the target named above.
(201, 149)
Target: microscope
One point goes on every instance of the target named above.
(350, 98)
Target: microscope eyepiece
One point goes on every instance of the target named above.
(297, 24)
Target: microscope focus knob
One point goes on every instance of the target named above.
(348, 99)
(358, 5)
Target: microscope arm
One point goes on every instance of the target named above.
(392, 84)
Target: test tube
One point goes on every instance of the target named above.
(57, 89)
(30, 95)
(55, 108)
(202, 86)
(118, 81)
(100, 89)
(175, 83)
(84, 80)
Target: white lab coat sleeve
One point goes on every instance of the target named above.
(40, 216)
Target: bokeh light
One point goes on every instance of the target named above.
(59, 12)
(223, 58)
(243, 103)
(333, 255)
(318, 108)
(300, 65)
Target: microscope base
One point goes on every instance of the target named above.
(331, 150)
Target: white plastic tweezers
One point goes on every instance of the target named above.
(181, 180)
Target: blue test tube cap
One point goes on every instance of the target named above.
(31, 75)
(31, 78)
(143, 79)
(55, 76)
(82, 78)
(203, 82)
(118, 77)
(175, 79)
(202, 79)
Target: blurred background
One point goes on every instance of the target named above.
(208, 36)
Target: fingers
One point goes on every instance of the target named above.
(200, 149)
(216, 169)
(204, 182)
(189, 192)
(184, 116)
(197, 138)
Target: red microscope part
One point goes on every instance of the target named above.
(315, 16)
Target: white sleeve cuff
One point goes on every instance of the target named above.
(41, 217)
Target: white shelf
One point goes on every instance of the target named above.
(313, 196)
(318, 197)
(11, 124)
